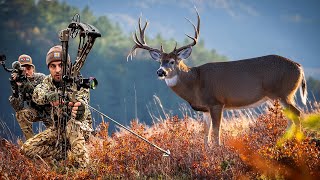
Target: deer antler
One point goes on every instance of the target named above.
(195, 38)
(141, 43)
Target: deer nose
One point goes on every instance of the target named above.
(161, 73)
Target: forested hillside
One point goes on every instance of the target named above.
(126, 88)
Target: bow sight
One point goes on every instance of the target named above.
(87, 34)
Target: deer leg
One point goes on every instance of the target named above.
(207, 128)
(292, 107)
(216, 116)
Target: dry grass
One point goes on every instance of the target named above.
(259, 150)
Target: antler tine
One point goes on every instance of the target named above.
(137, 45)
(196, 35)
(132, 52)
(142, 31)
(198, 24)
(196, 32)
(141, 43)
(161, 48)
(140, 40)
(198, 18)
(175, 47)
(136, 40)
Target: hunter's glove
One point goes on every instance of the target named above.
(52, 96)
(14, 88)
(78, 110)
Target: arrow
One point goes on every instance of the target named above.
(166, 152)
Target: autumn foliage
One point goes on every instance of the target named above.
(263, 150)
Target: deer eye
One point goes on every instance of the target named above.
(171, 62)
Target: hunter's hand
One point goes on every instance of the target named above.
(53, 98)
(14, 85)
(77, 110)
(14, 88)
(14, 77)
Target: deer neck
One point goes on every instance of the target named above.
(183, 84)
(182, 71)
(171, 82)
(181, 79)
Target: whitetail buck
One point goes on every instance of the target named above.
(212, 87)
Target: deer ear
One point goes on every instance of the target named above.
(185, 53)
(155, 55)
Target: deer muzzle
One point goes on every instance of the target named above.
(161, 73)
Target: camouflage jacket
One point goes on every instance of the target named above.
(24, 100)
(83, 96)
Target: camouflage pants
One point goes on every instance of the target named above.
(26, 117)
(49, 144)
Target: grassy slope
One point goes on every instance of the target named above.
(258, 151)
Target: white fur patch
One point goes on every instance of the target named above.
(172, 81)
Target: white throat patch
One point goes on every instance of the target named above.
(172, 81)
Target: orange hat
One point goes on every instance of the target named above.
(55, 54)
(25, 60)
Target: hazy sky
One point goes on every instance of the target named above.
(238, 29)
